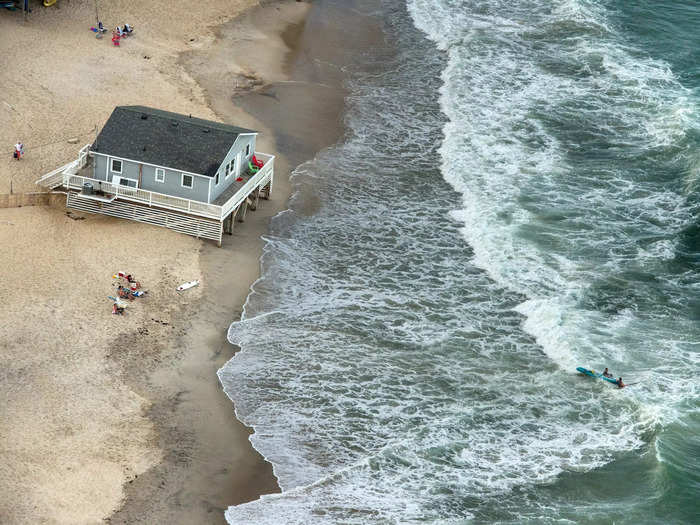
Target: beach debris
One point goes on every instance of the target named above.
(187, 285)
(70, 215)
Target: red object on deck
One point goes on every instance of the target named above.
(257, 162)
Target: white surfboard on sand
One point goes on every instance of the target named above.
(185, 286)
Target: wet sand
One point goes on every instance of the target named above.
(209, 463)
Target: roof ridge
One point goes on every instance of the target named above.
(196, 121)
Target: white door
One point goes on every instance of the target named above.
(238, 164)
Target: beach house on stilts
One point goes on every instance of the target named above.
(191, 175)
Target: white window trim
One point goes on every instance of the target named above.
(135, 181)
(182, 180)
(160, 171)
(111, 165)
(228, 170)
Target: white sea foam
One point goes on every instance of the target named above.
(388, 380)
(497, 150)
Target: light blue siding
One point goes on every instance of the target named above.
(145, 174)
(242, 141)
(172, 184)
(103, 169)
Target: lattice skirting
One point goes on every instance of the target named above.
(187, 224)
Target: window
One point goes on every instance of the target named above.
(216, 179)
(160, 175)
(187, 180)
(247, 150)
(228, 170)
(116, 166)
(128, 183)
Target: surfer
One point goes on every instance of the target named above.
(606, 373)
(619, 383)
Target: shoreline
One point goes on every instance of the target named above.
(219, 466)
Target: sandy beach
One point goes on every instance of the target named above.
(122, 418)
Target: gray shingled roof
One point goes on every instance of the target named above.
(166, 139)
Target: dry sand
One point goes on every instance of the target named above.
(72, 430)
(103, 413)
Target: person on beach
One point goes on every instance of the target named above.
(606, 373)
(117, 310)
(124, 293)
(19, 151)
(620, 384)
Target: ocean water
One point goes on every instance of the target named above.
(518, 195)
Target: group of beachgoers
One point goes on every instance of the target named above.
(619, 382)
(118, 32)
(129, 292)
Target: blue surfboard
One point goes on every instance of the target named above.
(593, 373)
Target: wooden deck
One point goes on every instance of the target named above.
(186, 216)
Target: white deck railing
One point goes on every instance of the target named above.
(265, 174)
(150, 198)
(67, 176)
(54, 178)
